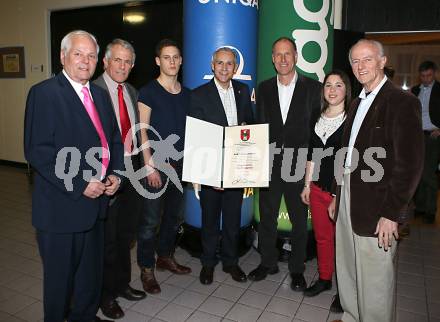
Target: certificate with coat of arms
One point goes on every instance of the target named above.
(246, 156)
(227, 157)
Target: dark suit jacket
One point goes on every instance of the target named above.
(55, 119)
(295, 133)
(393, 122)
(133, 93)
(434, 102)
(206, 104)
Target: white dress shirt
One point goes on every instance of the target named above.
(285, 93)
(227, 97)
(78, 87)
(361, 112)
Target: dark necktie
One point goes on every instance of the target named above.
(124, 119)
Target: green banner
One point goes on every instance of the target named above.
(309, 23)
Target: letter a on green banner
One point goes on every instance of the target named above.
(309, 23)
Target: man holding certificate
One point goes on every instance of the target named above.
(224, 102)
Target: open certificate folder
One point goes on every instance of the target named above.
(227, 157)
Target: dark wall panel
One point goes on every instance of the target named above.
(391, 15)
(163, 19)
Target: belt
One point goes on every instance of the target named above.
(427, 133)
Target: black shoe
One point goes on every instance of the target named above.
(206, 275)
(336, 305)
(111, 309)
(131, 294)
(317, 288)
(236, 273)
(261, 272)
(298, 282)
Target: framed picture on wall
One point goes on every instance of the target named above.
(12, 62)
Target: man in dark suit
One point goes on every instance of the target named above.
(224, 102)
(68, 121)
(286, 102)
(126, 205)
(384, 141)
(428, 93)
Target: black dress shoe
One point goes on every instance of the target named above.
(261, 272)
(131, 294)
(236, 273)
(206, 275)
(111, 309)
(336, 306)
(298, 282)
(317, 288)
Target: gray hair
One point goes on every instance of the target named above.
(374, 43)
(123, 43)
(66, 43)
(226, 49)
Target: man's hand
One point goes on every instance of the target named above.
(331, 209)
(305, 195)
(385, 230)
(154, 179)
(94, 189)
(111, 185)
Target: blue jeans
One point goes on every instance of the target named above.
(159, 222)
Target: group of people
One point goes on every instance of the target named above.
(86, 223)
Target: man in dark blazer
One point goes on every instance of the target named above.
(286, 102)
(68, 122)
(126, 205)
(224, 102)
(384, 141)
(428, 92)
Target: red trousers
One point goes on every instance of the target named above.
(324, 229)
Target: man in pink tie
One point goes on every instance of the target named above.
(73, 142)
(125, 207)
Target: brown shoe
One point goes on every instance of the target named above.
(169, 263)
(337, 321)
(111, 309)
(149, 281)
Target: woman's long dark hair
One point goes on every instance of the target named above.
(346, 81)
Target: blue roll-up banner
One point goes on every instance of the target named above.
(208, 25)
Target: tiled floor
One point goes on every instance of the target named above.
(183, 298)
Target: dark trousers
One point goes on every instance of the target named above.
(426, 193)
(120, 230)
(72, 265)
(270, 199)
(159, 222)
(227, 205)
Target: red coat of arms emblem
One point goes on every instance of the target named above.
(245, 134)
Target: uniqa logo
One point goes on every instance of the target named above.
(303, 36)
(246, 3)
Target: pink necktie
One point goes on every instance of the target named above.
(94, 116)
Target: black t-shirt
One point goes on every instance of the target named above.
(168, 111)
